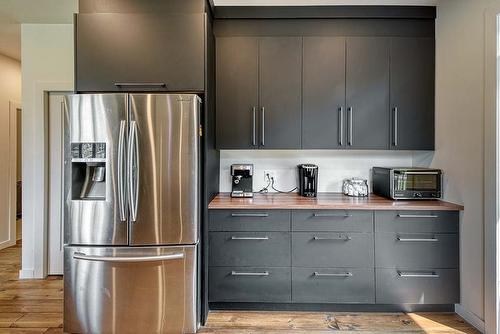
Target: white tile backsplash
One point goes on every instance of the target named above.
(334, 166)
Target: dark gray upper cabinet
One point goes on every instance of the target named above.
(237, 81)
(324, 114)
(280, 84)
(259, 84)
(123, 52)
(367, 92)
(412, 93)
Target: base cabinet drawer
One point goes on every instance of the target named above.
(266, 249)
(417, 221)
(332, 220)
(249, 284)
(249, 220)
(330, 250)
(339, 285)
(416, 250)
(430, 286)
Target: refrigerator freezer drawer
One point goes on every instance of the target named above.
(130, 290)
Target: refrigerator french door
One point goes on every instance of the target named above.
(132, 213)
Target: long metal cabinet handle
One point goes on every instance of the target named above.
(249, 238)
(166, 257)
(254, 215)
(263, 139)
(331, 215)
(417, 216)
(341, 126)
(417, 239)
(254, 126)
(318, 274)
(121, 174)
(140, 84)
(350, 126)
(239, 273)
(133, 171)
(340, 238)
(418, 275)
(63, 163)
(396, 126)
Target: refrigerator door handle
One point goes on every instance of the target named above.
(166, 257)
(121, 174)
(133, 171)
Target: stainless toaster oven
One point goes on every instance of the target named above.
(407, 183)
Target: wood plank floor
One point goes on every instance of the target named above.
(35, 306)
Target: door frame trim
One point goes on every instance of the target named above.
(35, 172)
(492, 170)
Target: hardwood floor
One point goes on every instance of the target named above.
(35, 306)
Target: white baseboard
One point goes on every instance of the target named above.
(26, 274)
(470, 317)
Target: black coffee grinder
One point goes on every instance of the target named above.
(242, 180)
(308, 180)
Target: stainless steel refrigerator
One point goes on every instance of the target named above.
(132, 212)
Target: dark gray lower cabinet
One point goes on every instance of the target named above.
(328, 250)
(417, 286)
(334, 256)
(337, 285)
(249, 249)
(249, 284)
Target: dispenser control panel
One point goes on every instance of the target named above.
(88, 151)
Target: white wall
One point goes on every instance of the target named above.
(47, 65)
(334, 166)
(460, 92)
(10, 91)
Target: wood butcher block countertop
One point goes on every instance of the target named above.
(327, 201)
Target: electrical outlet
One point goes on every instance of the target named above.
(270, 173)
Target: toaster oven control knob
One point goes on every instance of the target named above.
(419, 195)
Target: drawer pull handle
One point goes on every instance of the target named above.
(249, 238)
(237, 273)
(418, 275)
(317, 274)
(330, 215)
(417, 239)
(140, 84)
(417, 216)
(341, 238)
(254, 215)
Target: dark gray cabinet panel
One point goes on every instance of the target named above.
(416, 250)
(417, 221)
(324, 114)
(237, 92)
(249, 249)
(249, 284)
(367, 92)
(332, 220)
(280, 85)
(337, 285)
(412, 93)
(433, 286)
(328, 250)
(249, 220)
(140, 49)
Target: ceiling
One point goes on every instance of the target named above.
(15, 12)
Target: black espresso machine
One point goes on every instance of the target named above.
(308, 180)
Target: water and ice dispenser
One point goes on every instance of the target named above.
(88, 163)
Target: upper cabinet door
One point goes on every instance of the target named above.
(367, 93)
(237, 82)
(135, 52)
(324, 111)
(280, 83)
(412, 93)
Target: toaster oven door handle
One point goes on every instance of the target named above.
(417, 216)
(421, 173)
